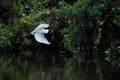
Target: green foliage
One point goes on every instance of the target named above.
(68, 39)
(72, 69)
(10, 39)
(19, 69)
(89, 26)
(90, 29)
(9, 10)
(112, 55)
(84, 16)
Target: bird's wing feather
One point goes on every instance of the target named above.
(42, 26)
(41, 38)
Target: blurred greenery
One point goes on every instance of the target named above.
(85, 40)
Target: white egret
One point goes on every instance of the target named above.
(39, 33)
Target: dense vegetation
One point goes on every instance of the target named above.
(85, 40)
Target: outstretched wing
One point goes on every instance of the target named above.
(41, 38)
(42, 26)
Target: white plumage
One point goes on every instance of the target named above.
(39, 33)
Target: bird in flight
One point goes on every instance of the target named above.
(39, 33)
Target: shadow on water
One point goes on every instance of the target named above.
(35, 61)
(30, 68)
(41, 62)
